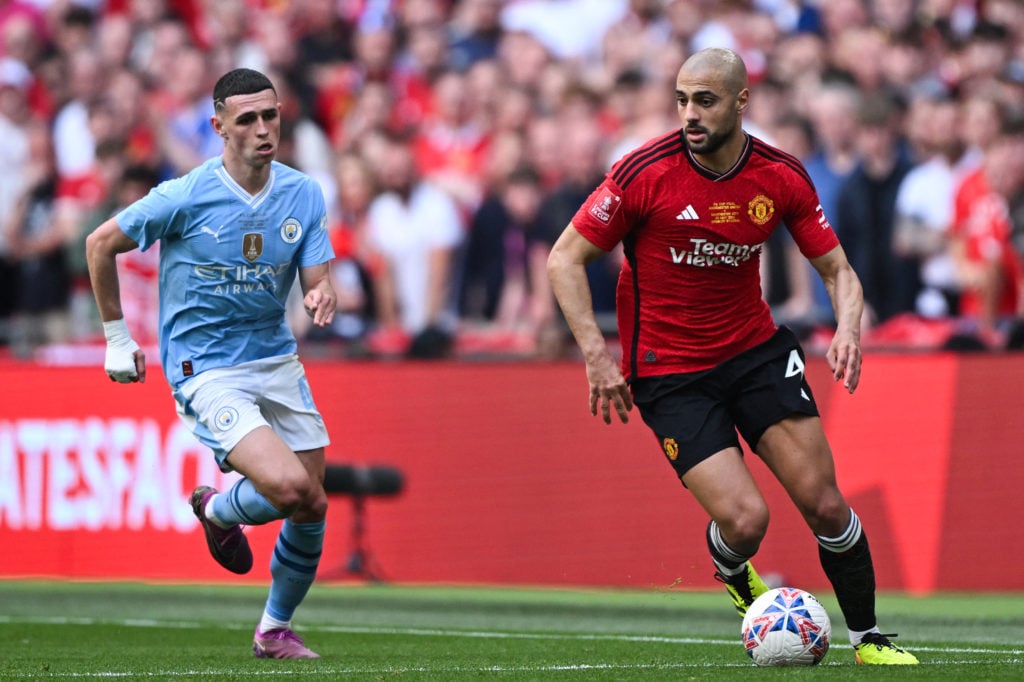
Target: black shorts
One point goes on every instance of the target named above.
(696, 414)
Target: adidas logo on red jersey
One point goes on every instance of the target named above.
(688, 213)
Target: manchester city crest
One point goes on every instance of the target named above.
(291, 230)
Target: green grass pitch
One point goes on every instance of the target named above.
(128, 631)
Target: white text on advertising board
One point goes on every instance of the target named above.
(99, 474)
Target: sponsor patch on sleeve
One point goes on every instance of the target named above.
(605, 206)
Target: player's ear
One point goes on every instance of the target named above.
(742, 100)
(217, 126)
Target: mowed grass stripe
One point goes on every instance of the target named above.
(448, 632)
(178, 633)
(322, 670)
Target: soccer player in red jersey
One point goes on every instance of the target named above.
(702, 358)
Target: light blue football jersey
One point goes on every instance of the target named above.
(227, 262)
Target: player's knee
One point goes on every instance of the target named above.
(289, 492)
(315, 506)
(745, 529)
(828, 515)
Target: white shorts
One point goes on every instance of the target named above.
(221, 406)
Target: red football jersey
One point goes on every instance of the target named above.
(689, 292)
(981, 218)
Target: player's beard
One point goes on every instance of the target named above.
(713, 141)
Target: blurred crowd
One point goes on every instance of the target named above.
(455, 139)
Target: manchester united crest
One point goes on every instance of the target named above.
(761, 209)
(252, 246)
(671, 448)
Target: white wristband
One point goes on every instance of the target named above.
(121, 347)
(116, 332)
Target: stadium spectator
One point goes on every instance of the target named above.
(634, 42)
(474, 32)
(582, 165)
(836, 17)
(357, 272)
(137, 270)
(569, 30)
(127, 101)
(22, 40)
(159, 38)
(982, 57)
(15, 121)
(371, 113)
(786, 278)
(376, 50)
(865, 211)
(223, 30)
(186, 137)
(323, 45)
(685, 18)
(73, 140)
(114, 41)
(37, 232)
(451, 143)
(541, 146)
(989, 270)
(507, 152)
(634, 110)
(411, 15)
(504, 282)
(424, 53)
(832, 112)
(275, 48)
(17, 11)
(981, 118)
(71, 28)
(486, 96)
(417, 228)
(523, 59)
(924, 202)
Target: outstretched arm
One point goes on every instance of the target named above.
(125, 361)
(843, 286)
(567, 272)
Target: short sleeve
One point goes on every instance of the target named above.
(603, 219)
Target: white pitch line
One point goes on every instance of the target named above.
(438, 632)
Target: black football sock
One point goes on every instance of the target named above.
(847, 563)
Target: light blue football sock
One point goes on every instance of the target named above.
(243, 504)
(293, 567)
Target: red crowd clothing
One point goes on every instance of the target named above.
(981, 220)
(689, 291)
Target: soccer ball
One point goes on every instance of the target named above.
(786, 626)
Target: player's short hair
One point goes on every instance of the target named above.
(239, 82)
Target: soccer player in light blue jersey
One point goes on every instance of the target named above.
(233, 234)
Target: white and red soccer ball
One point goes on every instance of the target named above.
(786, 626)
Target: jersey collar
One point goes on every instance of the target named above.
(252, 200)
(715, 176)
